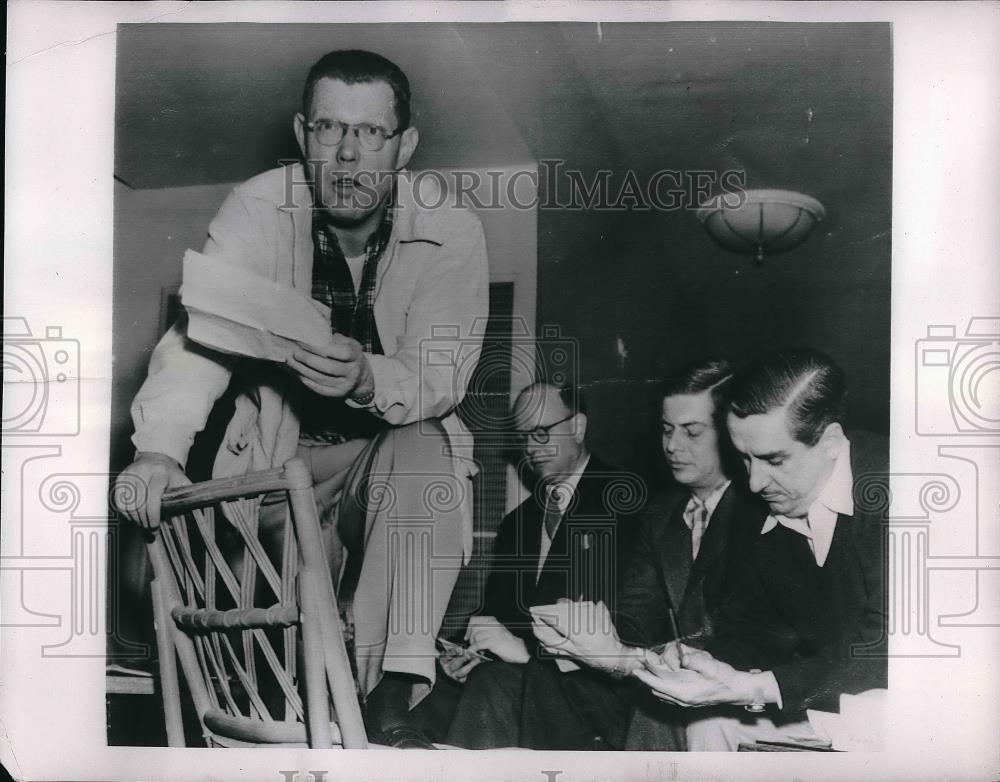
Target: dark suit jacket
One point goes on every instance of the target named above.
(586, 561)
(821, 630)
(661, 571)
(587, 556)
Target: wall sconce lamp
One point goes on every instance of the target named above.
(765, 222)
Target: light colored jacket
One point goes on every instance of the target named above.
(431, 305)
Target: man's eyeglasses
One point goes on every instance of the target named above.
(329, 133)
(540, 434)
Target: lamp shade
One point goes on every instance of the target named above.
(766, 222)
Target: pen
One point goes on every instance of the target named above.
(677, 635)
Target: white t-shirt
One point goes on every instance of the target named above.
(357, 266)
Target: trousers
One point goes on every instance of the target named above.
(536, 706)
(404, 519)
(396, 523)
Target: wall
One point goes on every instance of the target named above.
(657, 281)
(152, 230)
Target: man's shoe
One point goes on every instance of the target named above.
(402, 737)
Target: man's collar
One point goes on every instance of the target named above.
(838, 493)
(835, 498)
(377, 239)
(415, 194)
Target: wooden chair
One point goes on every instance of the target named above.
(241, 653)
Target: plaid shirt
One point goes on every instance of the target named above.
(352, 313)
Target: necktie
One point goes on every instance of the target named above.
(696, 517)
(552, 514)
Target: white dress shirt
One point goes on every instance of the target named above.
(819, 523)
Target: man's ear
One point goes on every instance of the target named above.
(580, 427)
(407, 146)
(299, 124)
(832, 439)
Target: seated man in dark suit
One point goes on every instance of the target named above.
(805, 619)
(567, 540)
(687, 537)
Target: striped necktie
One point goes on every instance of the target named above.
(696, 518)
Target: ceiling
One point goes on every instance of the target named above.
(803, 106)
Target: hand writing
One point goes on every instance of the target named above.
(702, 680)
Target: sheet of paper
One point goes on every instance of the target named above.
(860, 724)
(235, 311)
(561, 617)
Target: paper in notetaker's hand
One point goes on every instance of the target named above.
(235, 311)
(560, 617)
(452, 649)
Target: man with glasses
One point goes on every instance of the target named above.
(351, 232)
(568, 540)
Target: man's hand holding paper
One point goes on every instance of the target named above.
(338, 369)
(583, 631)
(457, 661)
(568, 628)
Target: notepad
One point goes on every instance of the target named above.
(235, 311)
(860, 725)
(560, 616)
